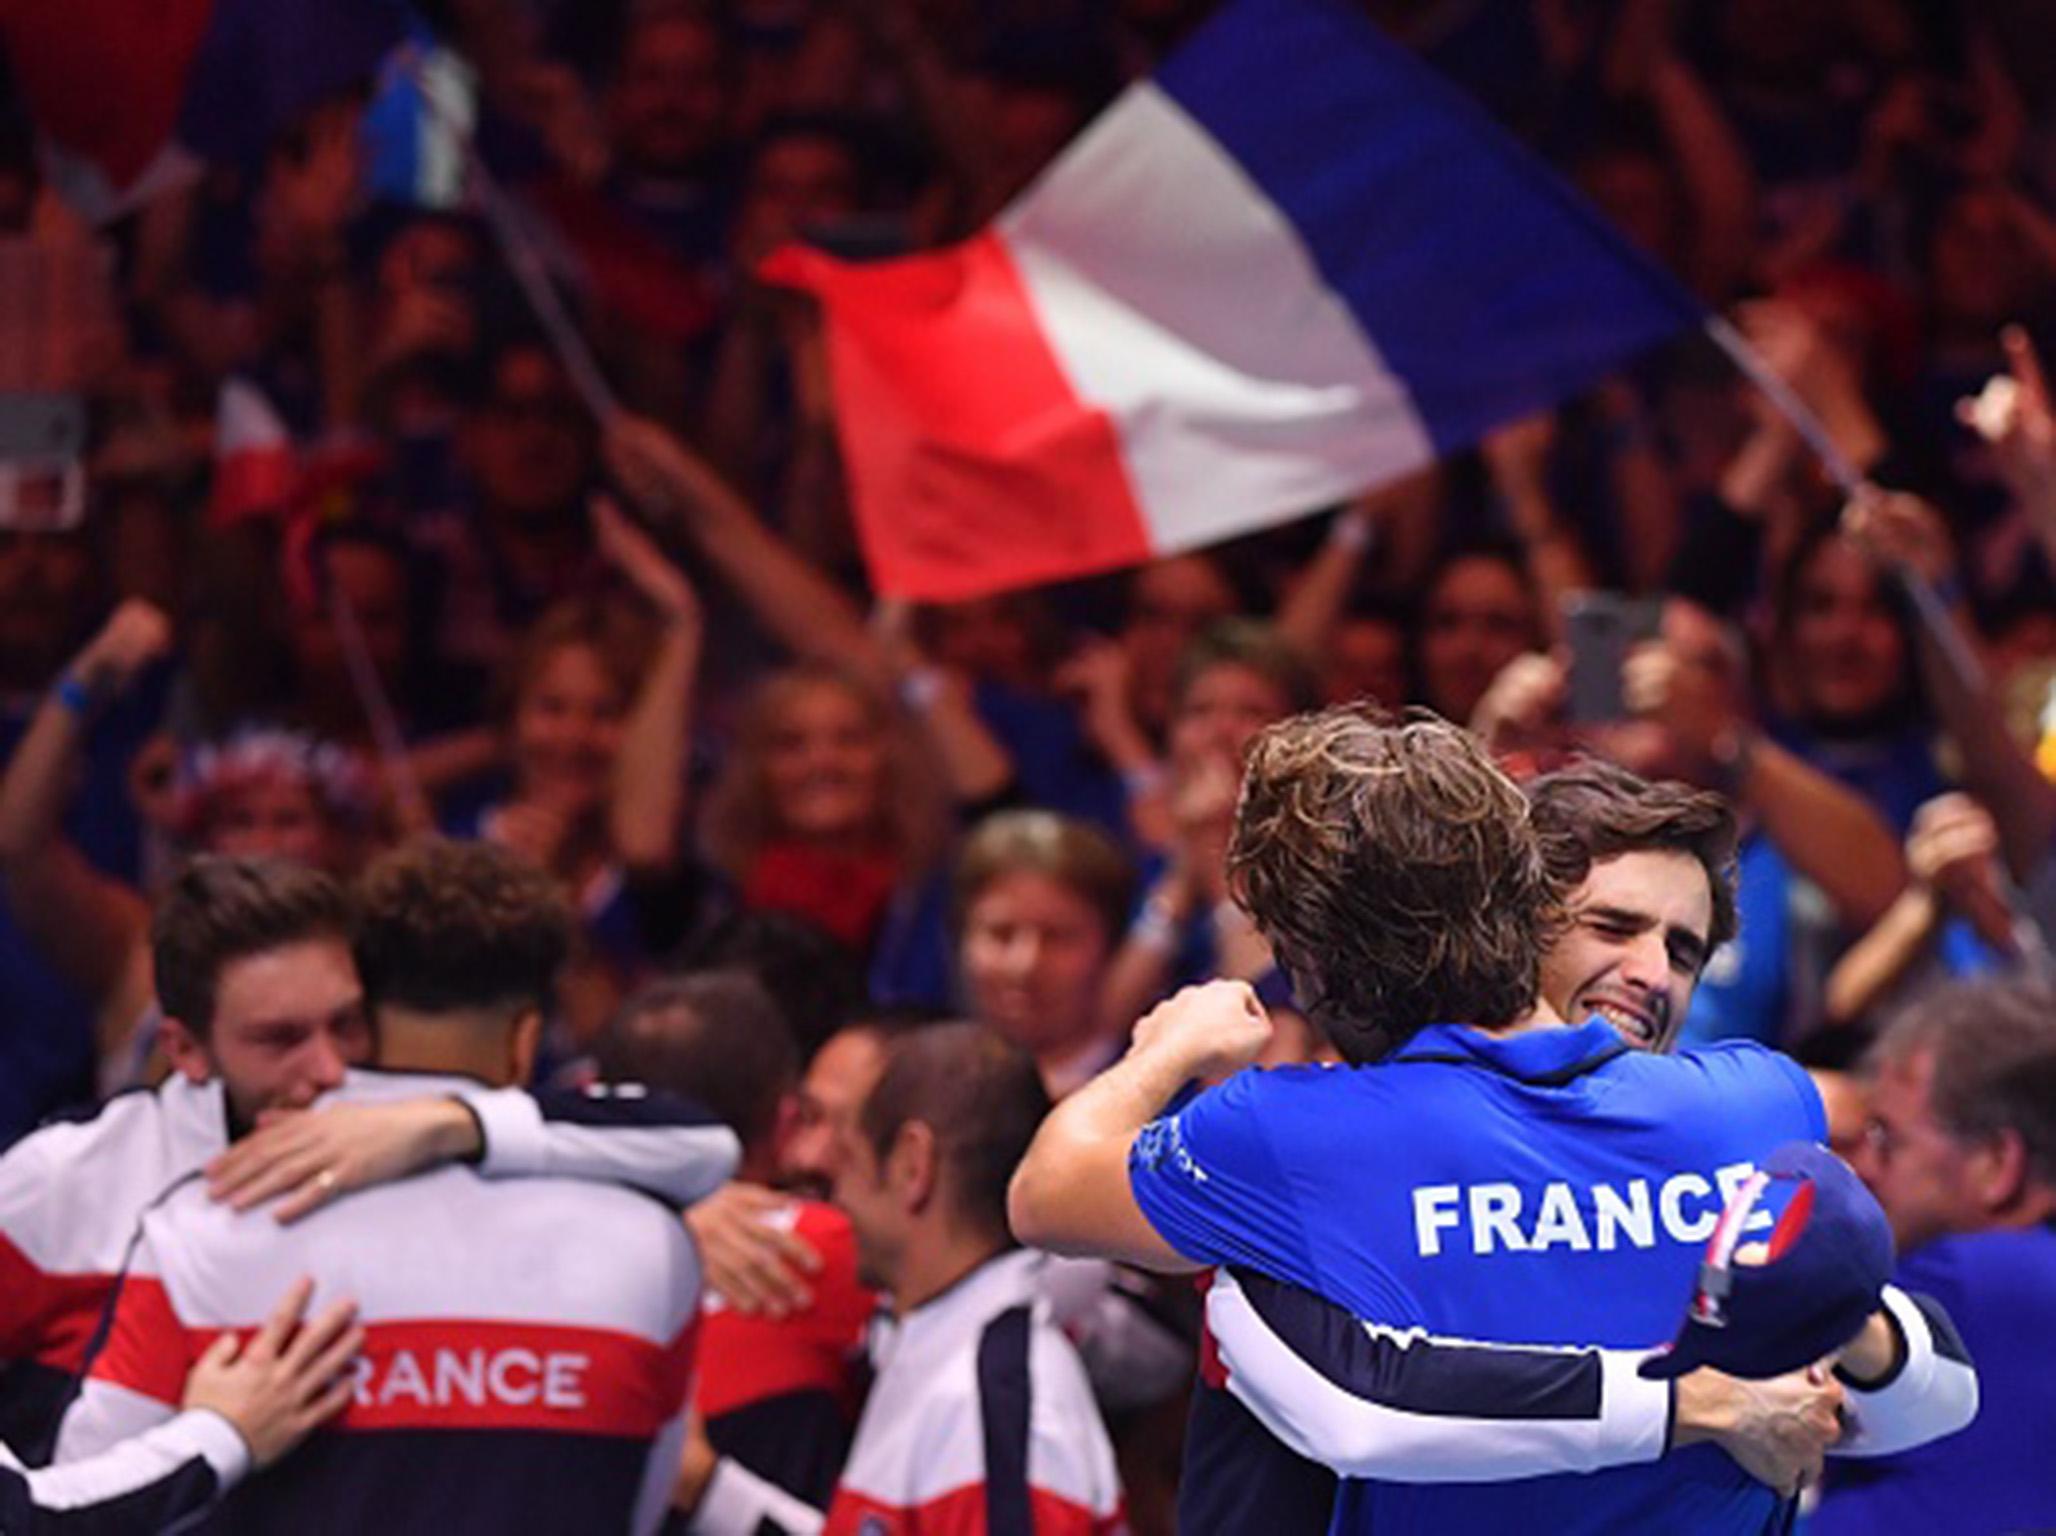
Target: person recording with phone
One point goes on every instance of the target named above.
(1681, 710)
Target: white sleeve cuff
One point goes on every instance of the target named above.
(1934, 1394)
(1359, 1435)
(1634, 1412)
(510, 1125)
(203, 1432)
(740, 1503)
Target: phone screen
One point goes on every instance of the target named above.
(1599, 630)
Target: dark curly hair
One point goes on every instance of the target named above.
(1594, 810)
(447, 925)
(1393, 867)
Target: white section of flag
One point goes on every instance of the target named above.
(1229, 414)
(246, 422)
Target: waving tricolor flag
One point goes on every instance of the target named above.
(1292, 265)
(132, 96)
(256, 469)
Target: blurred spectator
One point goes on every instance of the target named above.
(1040, 903)
(778, 1389)
(1961, 1152)
(1479, 610)
(1841, 673)
(825, 809)
(259, 792)
(524, 541)
(924, 1183)
(1236, 678)
(666, 108)
(599, 716)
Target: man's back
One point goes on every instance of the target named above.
(2000, 1290)
(529, 1348)
(1539, 1188)
(981, 1420)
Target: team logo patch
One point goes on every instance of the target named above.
(1163, 1141)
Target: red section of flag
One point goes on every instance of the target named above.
(973, 466)
(105, 78)
(256, 470)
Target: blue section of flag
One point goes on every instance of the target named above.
(264, 63)
(394, 121)
(1485, 283)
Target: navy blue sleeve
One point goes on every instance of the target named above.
(161, 1480)
(625, 1104)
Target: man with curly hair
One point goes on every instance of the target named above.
(528, 1341)
(1479, 1170)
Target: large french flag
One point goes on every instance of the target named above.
(1292, 265)
(132, 96)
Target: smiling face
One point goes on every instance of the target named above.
(1847, 652)
(824, 765)
(567, 730)
(1638, 939)
(1479, 616)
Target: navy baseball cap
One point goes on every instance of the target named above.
(1827, 1256)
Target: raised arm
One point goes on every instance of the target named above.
(807, 612)
(647, 817)
(648, 1141)
(1952, 853)
(1071, 1193)
(1905, 531)
(85, 923)
(1518, 456)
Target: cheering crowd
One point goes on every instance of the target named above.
(499, 756)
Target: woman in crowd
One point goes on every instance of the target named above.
(597, 723)
(825, 809)
(1237, 678)
(1041, 901)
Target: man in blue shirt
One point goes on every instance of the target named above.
(1506, 1179)
(1641, 923)
(1961, 1152)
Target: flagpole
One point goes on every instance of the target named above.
(386, 734)
(1927, 603)
(563, 334)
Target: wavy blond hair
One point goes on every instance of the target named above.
(1394, 870)
(911, 822)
